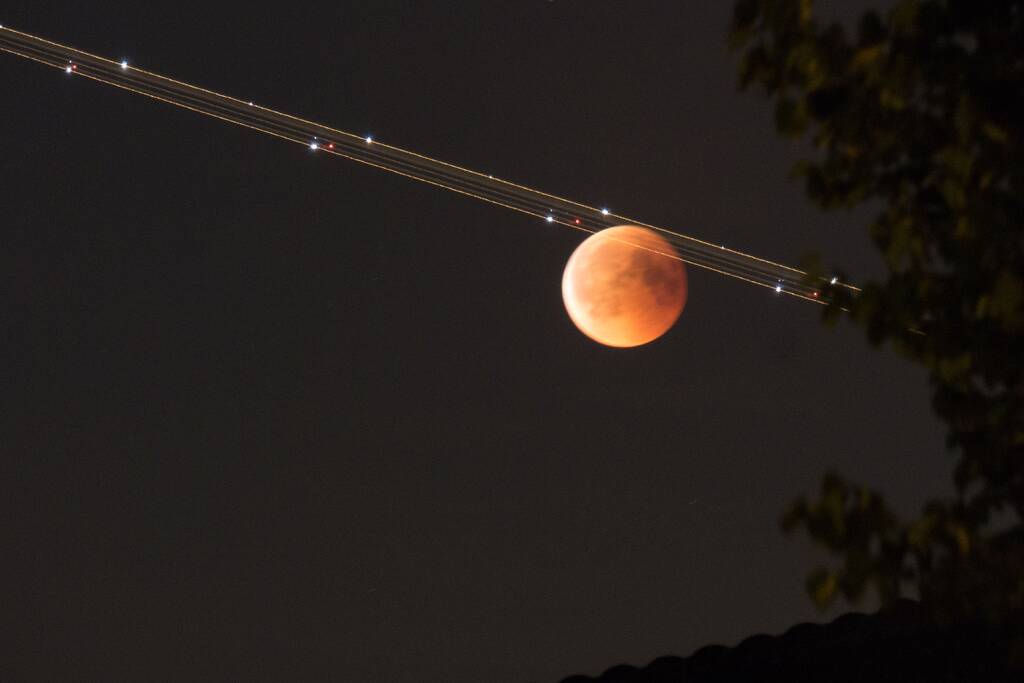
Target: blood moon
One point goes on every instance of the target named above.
(624, 286)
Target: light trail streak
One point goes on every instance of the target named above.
(366, 150)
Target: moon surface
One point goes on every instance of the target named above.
(620, 291)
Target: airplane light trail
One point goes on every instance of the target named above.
(365, 149)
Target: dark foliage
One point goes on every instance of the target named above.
(920, 113)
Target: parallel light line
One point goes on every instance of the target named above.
(425, 169)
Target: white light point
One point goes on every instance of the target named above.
(67, 69)
(314, 146)
(250, 104)
(834, 280)
(369, 139)
(604, 212)
(124, 65)
(778, 289)
(550, 219)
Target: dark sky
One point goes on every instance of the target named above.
(268, 415)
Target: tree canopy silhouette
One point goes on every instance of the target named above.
(920, 113)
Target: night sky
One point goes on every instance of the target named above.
(269, 415)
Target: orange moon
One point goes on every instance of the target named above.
(620, 291)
